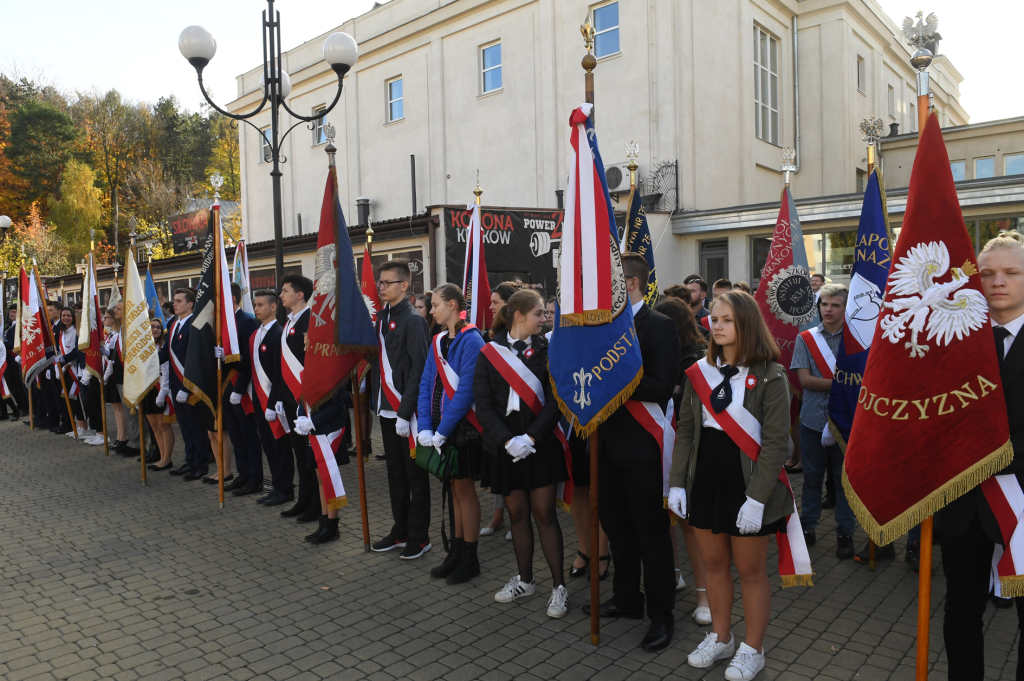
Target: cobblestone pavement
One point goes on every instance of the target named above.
(102, 578)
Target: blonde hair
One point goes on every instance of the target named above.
(1004, 240)
(833, 290)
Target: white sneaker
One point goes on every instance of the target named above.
(96, 441)
(558, 605)
(509, 535)
(82, 433)
(680, 583)
(702, 615)
(517, 588)
(711, 650)
(746, 665)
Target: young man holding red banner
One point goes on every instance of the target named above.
(814, 361)
(980, 521)
(394, 390)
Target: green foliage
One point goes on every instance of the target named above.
(42, 141)
(79, 210)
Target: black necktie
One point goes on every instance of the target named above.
(721, 396)
(520, 347)
(1000, 332)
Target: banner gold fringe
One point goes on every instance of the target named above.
(838, 436)
(944, 495)
(198, 395)
(1012, 586)
(336, 503)
(232, 358)
(584, 430)
(562, 505)
(796, 580)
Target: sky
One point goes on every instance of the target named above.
(137, 48)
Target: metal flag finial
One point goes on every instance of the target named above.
(872, 129)
(788, 162)
(587, 29)
(329, 133)
(477, 191)
(924, 37)
(632, 153)
(216, 181)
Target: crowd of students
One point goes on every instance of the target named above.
(475, 407)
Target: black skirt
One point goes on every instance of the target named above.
(544, 467)
(110, 392)
(718, 489)
(149, 402)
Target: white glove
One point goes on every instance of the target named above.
(438, 440)
(218, 352)
(425, 438)
(86, 377)
(108, 372)
(235, 398)
(402, 427)
(304, 425)
(827, 438)
(677, 501)
(56, 360)
(17, 358)
(749, 519)
(519, 447)
(105, 351)
(181, 397)
(279, 408)
(270, 415)
(161, 398)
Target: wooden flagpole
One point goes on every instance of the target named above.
(138, 407)
(218, 311)
(357, 416)
(94, 304)
(31, 411)
(103, 412)
(53, 344)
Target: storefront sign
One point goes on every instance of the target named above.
(188, 231)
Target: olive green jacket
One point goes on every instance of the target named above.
(769, 404)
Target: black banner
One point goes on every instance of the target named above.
(188, 230)
(517, 244)
(267, 277)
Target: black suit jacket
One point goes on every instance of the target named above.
(955, 518)
(270, 360)
(622, 438)
(296, 340)
(407, 344)
(246, 325)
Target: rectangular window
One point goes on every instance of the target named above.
(862, 180)
(266, 153)
(1013, 164)
(862, 83)
(395, 101)
(490, 57)
(959, 169)
(766, 87)
(913, 118)
(892, 102)
(606, 30)
(984, 167)
(318, 126)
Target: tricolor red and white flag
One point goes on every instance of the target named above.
(784, 294)
(20, 303)
(228, 329)
(745, 430)
(33, 331)
(931, 422)
(5, 392)
(90, 329)
(475, 287)
(371, 296)
(325, 447)
(240, 275)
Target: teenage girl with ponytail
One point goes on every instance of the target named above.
(519, 415)
(443, 417)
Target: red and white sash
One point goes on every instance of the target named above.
(745, 430)
(705, 321)
(324, 449)
(1006, 499)
(391, 394)
(662, 427)
(522, 381)
(176, 365)
(5, 392)
(261, 383)
(291, 367)
(75, 389)
(824, 359)
(450, 377)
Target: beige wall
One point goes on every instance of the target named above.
(682, 87)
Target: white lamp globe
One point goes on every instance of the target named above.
(197, 45)
(341, 51)
(286, 85)
(5, 222)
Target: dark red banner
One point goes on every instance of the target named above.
(188, 231)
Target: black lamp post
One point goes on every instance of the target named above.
(198, 46)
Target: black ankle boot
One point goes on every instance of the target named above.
(469, 566)
(451, 561)
(329, 533)
(319, 529)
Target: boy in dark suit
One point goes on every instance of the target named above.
(296, 291)
(241, 426)
(967, 529)
(197, 445)
(265, 362)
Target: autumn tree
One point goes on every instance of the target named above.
(225, 155)
(79, 210)
(41, 241)
(42, 141)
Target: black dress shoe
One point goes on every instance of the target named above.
(1001, 603)
(309, 515)
(267, 497)
(250, 488)
(152, 457)
(380, 457)
(157, 467)
(828, 502)
(281, 498)
(128, 452)
(609, 609)
(209, 481)
(192, 476)
(844, 547)
(809, 539)
(119, 445)
(237, 483)
(658, 636)
(184, 470)
(297, 510)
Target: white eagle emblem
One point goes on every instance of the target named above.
(370, 307)
(325, 293)
(919, 303)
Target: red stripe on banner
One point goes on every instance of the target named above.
(577, 254)
(819, 359)
(603, 222)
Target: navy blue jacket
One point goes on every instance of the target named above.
(178, 345)
(246, 325)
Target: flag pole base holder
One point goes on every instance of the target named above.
(595, 639)
(222, 504)
(366, 548)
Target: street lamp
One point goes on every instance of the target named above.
(198, 46)
(5, 224)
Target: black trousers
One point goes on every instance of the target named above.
(297, 446)
(15, 384)
(633, 515)
(409, 486)
(967, 565)
(245, 440)
(279, 458)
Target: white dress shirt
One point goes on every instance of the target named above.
(636, 306)
(739, 389)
